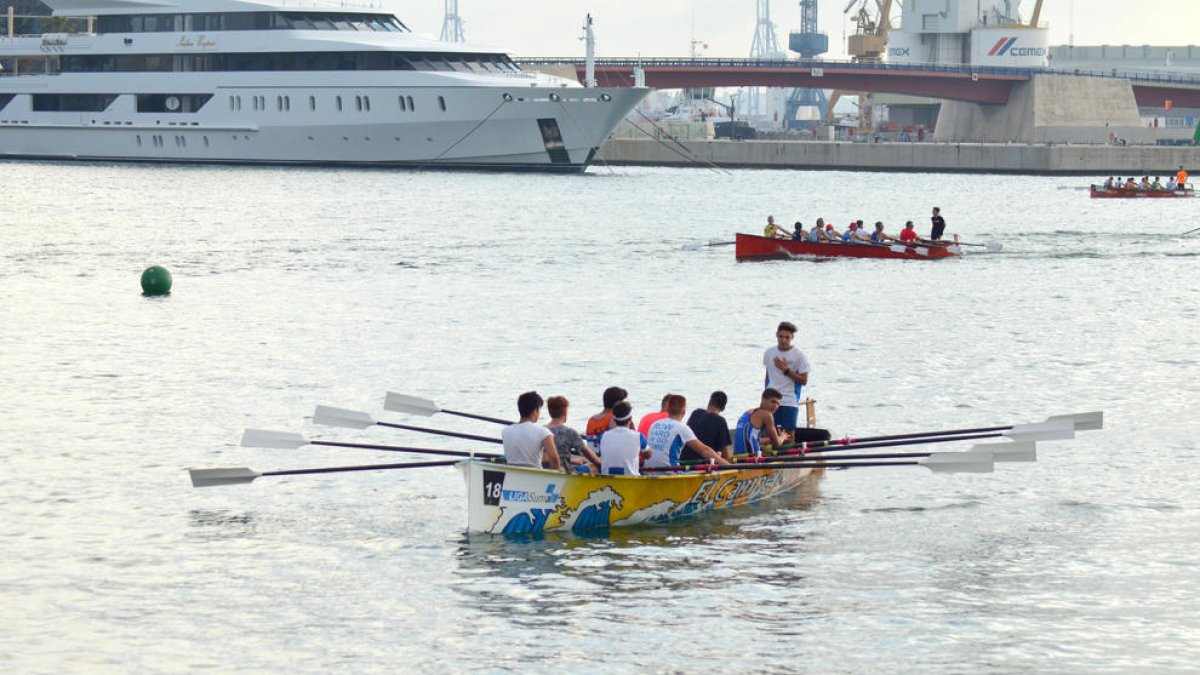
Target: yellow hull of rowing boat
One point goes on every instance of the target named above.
(515, 500)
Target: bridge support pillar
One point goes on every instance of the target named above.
(1049, 109)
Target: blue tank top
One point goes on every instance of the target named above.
(745, 436)
(814, 236)
(846, 235)
(875, 236)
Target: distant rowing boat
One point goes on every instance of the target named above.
(505, 499)
(1101, 192)
(753, 247)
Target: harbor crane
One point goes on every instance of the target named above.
(868, 44)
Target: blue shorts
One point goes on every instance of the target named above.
(786, 417)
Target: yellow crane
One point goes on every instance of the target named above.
(1037, 14)
(866, 45)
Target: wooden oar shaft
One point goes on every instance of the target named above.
(777, 465)
(852, 444)
(368, 467)
(395, 448)
(482, 418)
(919, 434)
(439, 432)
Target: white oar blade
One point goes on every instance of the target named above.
(898, 248)
(217, 477)
(960, 462)
(259, 438)
(956, 250)
(1089, 421)
(410, 404)
(994, 247)
(340, 417)
(921, 250)
(1024, 451)
(1044, 431)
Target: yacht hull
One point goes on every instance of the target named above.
(481, 128)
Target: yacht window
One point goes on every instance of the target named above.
(411, 106)
(341, 22)
(300, 22)
(442, 103)
(403, 105)
(338, 100)
(367, 103)
(312, 102)
(321, 22)
(358, 102)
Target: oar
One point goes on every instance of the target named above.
(990, 246)
(919, 250)
(414, 405)
(1190, 232)
(216, 477)
(1025, 451)
(939, 462)
(353, 419)
(259, 438)
(1055, 428)
(1052, 433)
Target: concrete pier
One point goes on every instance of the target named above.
(1092, 160)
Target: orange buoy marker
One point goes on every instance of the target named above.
(156, 281)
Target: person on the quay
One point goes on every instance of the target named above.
(573, 453)
(670, 435)
(939, 225)
(759, 423)
(528, 443)
(622, 448)
(786, 371)
(710, 428)
(602, 421)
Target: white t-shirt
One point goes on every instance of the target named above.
(667, 438)
(619, 448)
(523, 443)
(797, 362)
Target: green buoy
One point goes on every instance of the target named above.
(156, 281)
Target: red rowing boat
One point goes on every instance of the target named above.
(1101, 192)
(752, 247)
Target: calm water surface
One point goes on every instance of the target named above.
(300, 287)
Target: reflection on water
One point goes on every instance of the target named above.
(755, 544)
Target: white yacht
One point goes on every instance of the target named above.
(289, 81)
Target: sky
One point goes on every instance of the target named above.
(667, 27)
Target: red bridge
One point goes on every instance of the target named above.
(974, 84)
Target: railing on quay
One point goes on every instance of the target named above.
(1142, 76)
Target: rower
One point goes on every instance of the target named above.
(815, 235)
(622, 448)
(1129, 184)
(832, 235)
(859, 235)
(602, 421)
(1108, 184)
(909, 234)
(668, 437)
(879, 236)
(527, 443)
(1145, 185)
(798, 234)
(757, 423)
(573, 452)
(1157, 185)
(848, 235)
(710, 427)
(773, 231)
